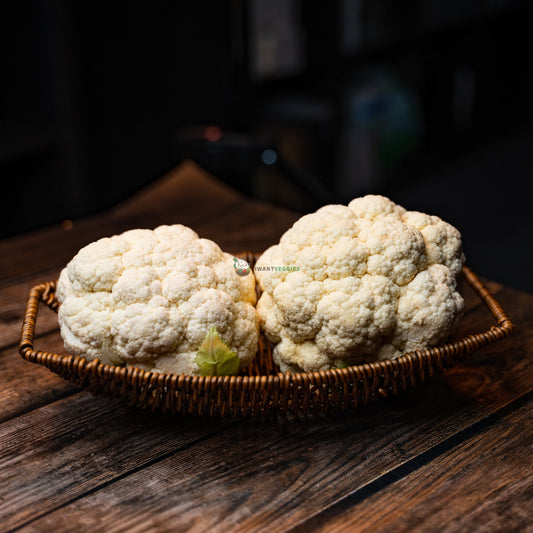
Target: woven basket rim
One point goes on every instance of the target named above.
(89, 372)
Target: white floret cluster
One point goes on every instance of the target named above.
(149, 297)
(362, 282)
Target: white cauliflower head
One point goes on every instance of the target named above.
(361, 282)
(148, 298)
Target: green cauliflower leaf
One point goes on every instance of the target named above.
(215, 358)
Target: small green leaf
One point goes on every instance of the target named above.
(215, 358)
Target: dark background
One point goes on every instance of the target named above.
(300, 103)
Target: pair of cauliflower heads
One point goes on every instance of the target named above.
(345, 284)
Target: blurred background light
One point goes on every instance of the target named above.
(269, 156)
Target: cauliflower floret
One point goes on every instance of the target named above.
(373, 280)
(266, 269)
(356, 314)
(315, 233)
(293, 356)
(346, 256)
(297, 300)
(270, 319)
(84, 318)
(429, 308)
(148, 298)
(395, 250)
(443, 241)
(98, 266)
(141, 331)
(374, 206)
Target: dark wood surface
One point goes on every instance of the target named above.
(454, 454)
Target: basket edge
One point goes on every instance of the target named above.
(382, 376)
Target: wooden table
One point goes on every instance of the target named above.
(454, 454)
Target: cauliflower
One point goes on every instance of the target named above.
(150, 298)
(358, 283)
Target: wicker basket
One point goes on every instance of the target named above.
(261, 388)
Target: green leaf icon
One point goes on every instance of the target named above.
(215, 358)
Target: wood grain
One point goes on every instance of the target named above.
(87, 441)
(25, 386)
(181, 189)
(252, 477)
(482, 484)
(240, 478)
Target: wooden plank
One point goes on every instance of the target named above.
(68, 447)
(253, 226)
(25, 386)
(252, 476)
(181, 190)
(482, 484)
(47, 249)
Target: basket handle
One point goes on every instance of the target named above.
(505, 325)
(44, 292)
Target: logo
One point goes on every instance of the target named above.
(241, 266)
